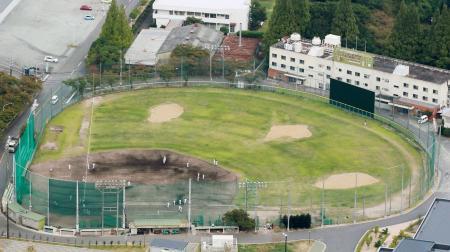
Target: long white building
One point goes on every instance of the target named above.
(313, 63)
(215, 13)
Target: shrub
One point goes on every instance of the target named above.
(297, 221)
(240, 218)
(378, 244)
(252, 34)
(134, 13)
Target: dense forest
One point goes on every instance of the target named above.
(414, 30)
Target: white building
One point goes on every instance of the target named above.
(313, 63)
(215, 13)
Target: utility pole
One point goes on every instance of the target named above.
(289, 208)
(7, 219)
(129, 75)
(10, 66)
(323, 196)
(246, 191)
(401, 198)
(189, 202)
(356, 196)
(77, 225)
(120, 82)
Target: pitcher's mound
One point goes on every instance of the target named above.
(165, 112)
(347, 181)
(298, 131)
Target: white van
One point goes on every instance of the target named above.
(54, 99)
(422, 119)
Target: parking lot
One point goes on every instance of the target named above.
(35, 29)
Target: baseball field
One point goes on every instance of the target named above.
(296, 145)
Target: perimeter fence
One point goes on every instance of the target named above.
(73, 204)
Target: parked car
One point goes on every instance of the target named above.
(422, 119)
(54, 99)
(11, 144)
(86, 7)
(50, 59)
(89, 17)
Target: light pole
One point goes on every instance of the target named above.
(3, 108)
(285, 241)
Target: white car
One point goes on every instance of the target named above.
(54, 99)
(50, 59)
(422, 119)
(89, 17)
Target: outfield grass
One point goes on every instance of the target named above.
(230, 125)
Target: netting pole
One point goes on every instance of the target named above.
(123, 208)
(77, 225)
(355, 198)
(401, 195)
(117, 212)
(14, 177)
(289, 208)
(29, 203)
(189, 202)
(103, 209)
(323, 198)
(48, 203)
(385, 200)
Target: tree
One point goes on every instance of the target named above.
(257, 15)
(78, 84)
(166, 72)
(115, 37)
(302, 15)
(439, 44)
(281, 23)
(404, 41)
(240, 218)
(193, 20)
(344, 21)
(190, 59)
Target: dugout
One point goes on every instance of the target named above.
(158, 226)
(24, 217)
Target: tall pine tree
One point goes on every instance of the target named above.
(344, 21)
(302, 15)
(404, 41)
(439, 44)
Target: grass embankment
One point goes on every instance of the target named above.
(298, 246)
(230, 126)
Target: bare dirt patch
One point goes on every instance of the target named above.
(165, 112)
(49, 146)
(347, 181)
(136, 166)
(297, 131)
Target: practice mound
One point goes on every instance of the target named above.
(347, 180)
(165, 112)
(298, 131)
(136, 166)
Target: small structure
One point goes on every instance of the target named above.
(145, 47)
(445, 113)
(157, 245)
(230, 49)
(157, 226)
(219, 243)
(24, 217)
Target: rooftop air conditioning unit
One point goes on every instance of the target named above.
(316, 41)
(288, 47)
(296, 37)
(298, 47)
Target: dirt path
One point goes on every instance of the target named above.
(297, 131)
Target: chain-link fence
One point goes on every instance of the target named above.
(77, 203)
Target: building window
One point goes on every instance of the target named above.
(283, 66)
(302, 62)
(310, 67)
(340, 70)
(386, 80)
(292, 59)
(395, 86)
(357, 74)
(212, 15)
(328, 68)
(405, 85)
(292, 68)
(339, 79)
(206, 15)
(310, 75)
(349, 72)
(435, 100)
(328, 76)
(396, 95)
(425, 89)
(198, 14)
(357, 83)
(366, 76)
(435, 91)
(274, 63)
(190, 13)
(349, 81)
(283, 57)
(415, 96)
(377, 87)
(416, 87)
(274, 55)
(365, 84)
(424, 98)
(227, 16)
(378, 79)
(301, 70)
(405, 94)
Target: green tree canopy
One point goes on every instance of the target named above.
(405, 39)
(282, 22)
(344, 21)
(302, 15)
(193, 20)
(440, 39)
(240, 218)
(115, 37)
(257, 15)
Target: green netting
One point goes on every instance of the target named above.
(22, 156)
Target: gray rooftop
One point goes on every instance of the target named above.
(168, 244)
(411, 245)
(196, 35)
(436, 224)
(144, 49)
